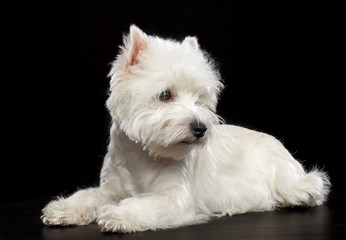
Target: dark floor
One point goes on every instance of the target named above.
(21, 220)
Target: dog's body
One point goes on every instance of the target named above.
(170, 162)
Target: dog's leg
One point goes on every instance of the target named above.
(78, 209)
(308, 189)
(294, 186)
(148, 212)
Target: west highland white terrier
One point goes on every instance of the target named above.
(170, 161)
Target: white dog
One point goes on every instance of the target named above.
(170, 161)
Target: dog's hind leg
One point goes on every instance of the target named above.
(290, 184)
(308, 189)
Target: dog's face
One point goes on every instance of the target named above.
(164, 94)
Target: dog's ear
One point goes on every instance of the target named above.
(192, 42)
(138, 41)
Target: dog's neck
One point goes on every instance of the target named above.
(128, 154)
(120, 142)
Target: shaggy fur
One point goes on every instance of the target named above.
(170, 160)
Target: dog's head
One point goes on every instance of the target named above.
(163, 93)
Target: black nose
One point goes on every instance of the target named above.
(198, 129)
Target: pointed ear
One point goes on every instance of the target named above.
(192, 42)
(137, 41)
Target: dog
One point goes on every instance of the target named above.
(171, 161)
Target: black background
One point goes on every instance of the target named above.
(279, 61)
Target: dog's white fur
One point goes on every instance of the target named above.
(157, 174)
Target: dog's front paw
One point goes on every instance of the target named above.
(114, 225)
(111, 219)
(62, 212)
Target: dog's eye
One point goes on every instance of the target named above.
(165, 95)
